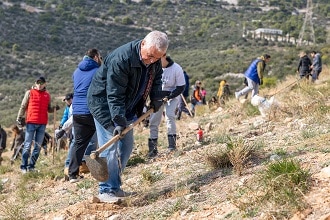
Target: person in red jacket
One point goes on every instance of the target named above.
(35, 106)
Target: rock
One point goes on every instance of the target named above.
(325, 172)
(274, 157)
(114, 217)
(208, 127)
(94, 199)
(193, 125)
(287, 120)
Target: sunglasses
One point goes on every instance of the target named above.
(40, 82)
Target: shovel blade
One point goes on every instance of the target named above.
(98, 168)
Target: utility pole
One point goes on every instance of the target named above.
(308, 23)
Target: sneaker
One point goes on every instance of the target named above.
(109, 198)
(237, 95)
(74, 179)
(31, 170)
(122, 193)
(23, 171)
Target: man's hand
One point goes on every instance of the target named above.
(118, 130)
(156, 104)
(60, 134)
(165, 99)
(120, 124)
(20, 121)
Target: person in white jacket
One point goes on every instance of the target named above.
(173, 83)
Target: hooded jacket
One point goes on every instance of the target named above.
(82, 78)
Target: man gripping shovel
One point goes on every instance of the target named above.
(98, 165)
(116, 96)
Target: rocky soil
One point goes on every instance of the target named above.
(182, 185)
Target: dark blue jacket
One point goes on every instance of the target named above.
(82, 78)
(187, 87)
(252, 71)
(115, 86)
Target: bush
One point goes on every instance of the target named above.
(278, 190)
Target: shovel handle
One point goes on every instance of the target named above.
(95, 154)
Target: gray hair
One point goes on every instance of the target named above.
(157, 39)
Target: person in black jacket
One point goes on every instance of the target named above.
(304, 65)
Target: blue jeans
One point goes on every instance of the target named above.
(90, 147)
(122, 148)
(36, 131)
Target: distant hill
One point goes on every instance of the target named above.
(50, 37)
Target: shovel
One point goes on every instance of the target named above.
(98, 165)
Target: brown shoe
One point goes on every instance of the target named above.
(83, 168)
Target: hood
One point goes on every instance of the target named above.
(87, 64)
(170, 61)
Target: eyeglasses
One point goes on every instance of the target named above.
(40, 82)
(152, 57)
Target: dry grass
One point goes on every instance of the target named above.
(182, 185)
(277, 191)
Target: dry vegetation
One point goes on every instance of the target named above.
(247, 167)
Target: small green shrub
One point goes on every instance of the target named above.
(278, 190)
(218, 159)
(86, 184)
(239, 151)
(151, 177)
(135, 160)
(269, 82)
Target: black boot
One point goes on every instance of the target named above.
(152, 144)
(171, 142)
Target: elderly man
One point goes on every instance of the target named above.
(117, 95)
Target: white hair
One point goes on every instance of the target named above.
(157, 39)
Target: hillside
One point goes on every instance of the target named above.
(185, 185)
(50, 37)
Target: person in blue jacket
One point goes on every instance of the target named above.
(130, 75)
(68, 101)
(254, 76)
(83, 121)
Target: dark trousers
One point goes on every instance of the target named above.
(84, 129)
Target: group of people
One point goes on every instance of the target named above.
(308, 67)
(108, 95)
